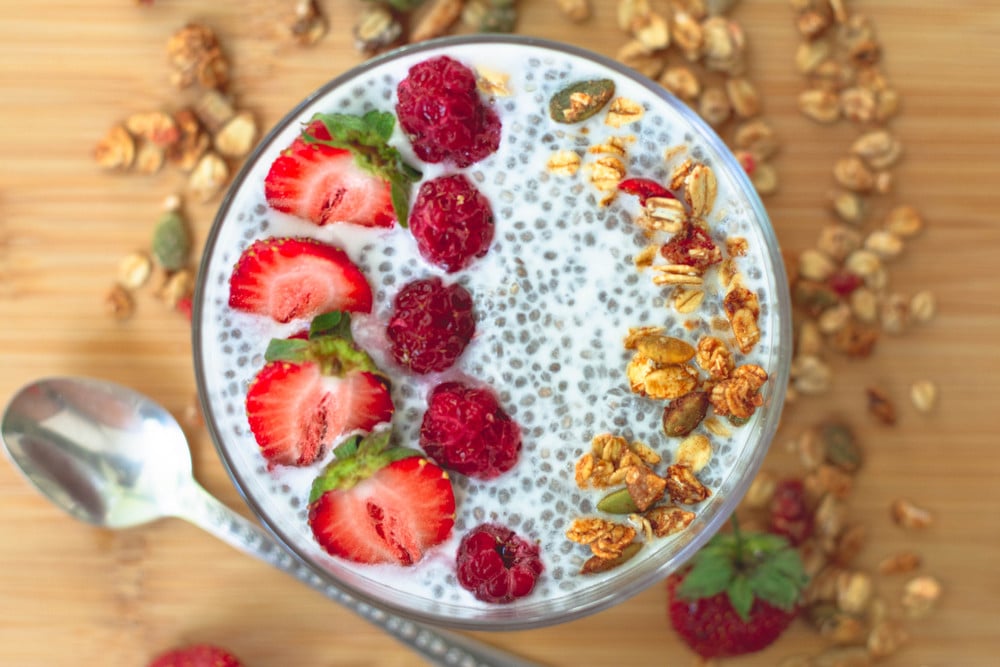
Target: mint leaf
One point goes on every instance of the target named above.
(712, 573)
(280, 349)
(335, 323)
(741, 597)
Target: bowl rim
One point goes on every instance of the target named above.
(778, 376)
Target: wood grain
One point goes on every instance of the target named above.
(71, 594)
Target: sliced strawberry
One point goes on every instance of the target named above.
(362, 402)
(291, 278)
(342, 169)
(315, 389)
(322, 184)
(380, 505)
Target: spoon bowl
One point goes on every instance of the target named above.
(104, 454)
(112, 457)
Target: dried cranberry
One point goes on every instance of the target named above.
(692, 246)
(644, 188)
(843, 282)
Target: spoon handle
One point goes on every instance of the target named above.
(438, 646)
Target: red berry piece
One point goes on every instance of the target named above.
(496, 565)
(292, 278)
(644, 188)
(692, 246)
(440, 110)
(380, 504)
(452, 222)
(466, 430)
(430, 325)
(790, 515)
(198, 655)
(843, 282)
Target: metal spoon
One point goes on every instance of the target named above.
(113, 458)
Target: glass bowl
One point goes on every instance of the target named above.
(555, 297)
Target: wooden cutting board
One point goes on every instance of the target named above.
(71, 594)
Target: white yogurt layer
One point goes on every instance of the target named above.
(554, 296)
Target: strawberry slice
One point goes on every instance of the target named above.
(291, 278)
(376, 504)
(312, 392)
(341, 169)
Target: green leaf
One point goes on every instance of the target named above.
(741, 597)
(771, 585)
(711, 575)
(400, 193)
(789, 563)
(282, 349)
(347, 448)
(335, 323)
(337, 356)
(764, 543)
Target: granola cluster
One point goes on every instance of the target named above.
(649, 500)
(205, 139)
(690, 378)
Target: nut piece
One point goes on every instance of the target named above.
(377, 29)
(116, 150)
(134, 270)
(683, 487)
(900, 563)
(437, 19)
(714, 106)
(923, 306)
(714, 357)
(682, 82)
(881, 406)
(492, 82)
(744, 97)
(904, 221)
(196, 58)
(118, 303)
(908, 515)
(923, 394)
(695, 451)
(822, 106)
(214, 109)
(668, 520)
(575, 10)
(237, 137)
(208, 177)
(308, 25)
(920, 596)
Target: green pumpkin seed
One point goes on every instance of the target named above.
(840, 447)
(617, 502)
(682, 415)
(581, 100)
(171, 242)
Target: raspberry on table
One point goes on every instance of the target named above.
(452, 222)
(789, 512)
(440, 110)
(466, 430)
(497, 565)
(430, 325)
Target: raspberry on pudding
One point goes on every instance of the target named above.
(452, 222)
(466, 430)
(496, 565)
(440, 110)
(430, 325)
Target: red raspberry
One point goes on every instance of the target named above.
(496, 565)
(466, 430)
(452, 222)
(843, 282)
(790, 515)
(430, 325)
(692, 246)
(441, 111)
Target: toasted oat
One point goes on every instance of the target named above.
(900, 563)
(438, 17)
(134, 270)
(695, 451)
(908, 515)
(923, 395)
(116, 150)
(564, 163)
(623, 111)
(686, 299)
(921, 595)
(668, 520)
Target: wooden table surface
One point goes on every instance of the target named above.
(72, 594)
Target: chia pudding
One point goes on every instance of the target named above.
(555, 296)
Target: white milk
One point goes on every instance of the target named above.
(554, 296)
